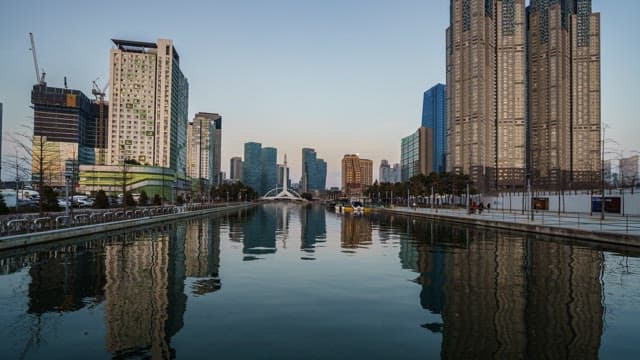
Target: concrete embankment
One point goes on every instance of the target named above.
(590, 235)
(23, 240)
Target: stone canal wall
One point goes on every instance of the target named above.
(586, 233)
(23, 240)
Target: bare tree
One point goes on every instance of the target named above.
(45, 159)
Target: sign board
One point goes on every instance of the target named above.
(540, 203)
(612, 204)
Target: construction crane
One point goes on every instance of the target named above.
(101, 130)
(39, 78)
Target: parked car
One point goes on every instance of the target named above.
(62, 203)
(83, 203)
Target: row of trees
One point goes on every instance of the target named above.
(233, 192)
(442, 183)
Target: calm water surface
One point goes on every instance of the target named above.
(292, 282)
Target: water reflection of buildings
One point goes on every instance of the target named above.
(507, 295)
(259, 233)
(313, 227)
(355, 232)
(67, 279)
(145, 300)
(202, 253)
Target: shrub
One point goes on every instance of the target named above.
(101, 202)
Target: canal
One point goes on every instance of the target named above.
(296, 282)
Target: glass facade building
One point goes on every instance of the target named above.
(269, 168)
(252, 166)
(314, 172)
(416, 154)
(434, 116)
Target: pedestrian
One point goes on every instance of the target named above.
(481, 207)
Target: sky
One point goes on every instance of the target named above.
(339, 76)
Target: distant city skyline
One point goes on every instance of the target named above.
(353, 87)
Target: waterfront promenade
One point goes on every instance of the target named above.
(105, 221)
(614, 229)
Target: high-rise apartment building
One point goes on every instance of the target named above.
(357, 175)
(314, 172)
(486, 91)
(416, 154)
(235, 168)
(388, 173)
(564, 93)
(148, 105)
(204, 137)
(629, 169)
(434, 116)
(384, 172)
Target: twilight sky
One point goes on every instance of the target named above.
(340, 76)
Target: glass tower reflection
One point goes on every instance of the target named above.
(314, 227)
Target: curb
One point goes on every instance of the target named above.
(576, 234)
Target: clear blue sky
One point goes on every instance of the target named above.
(341, 76)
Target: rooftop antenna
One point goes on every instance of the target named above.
(65, 82)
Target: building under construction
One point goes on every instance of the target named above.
(65, 132)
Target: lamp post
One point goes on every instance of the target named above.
(604, 127)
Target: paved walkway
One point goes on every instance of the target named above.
(615, 224)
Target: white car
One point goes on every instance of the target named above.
(84, 202)
(62, 203)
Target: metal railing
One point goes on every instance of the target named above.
(31, 223)
(612, 224)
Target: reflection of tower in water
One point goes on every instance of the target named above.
(314, 227)
(505, 296)
(355, 232)
(63, 280)
(145, 299)
(259, 233)
(202, 254)
(282, 215)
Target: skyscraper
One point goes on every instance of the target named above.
(269, 165)
(235, 168)
(204, 147)
(314, 172)
(252, 166)
(434, 116)
(148, 105)
(564, 93)
(389, 174)
(486, 91)
(416, 153)
(357, 175)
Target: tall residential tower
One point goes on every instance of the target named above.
(204, 147)
(486, 91)
(148, 105)
(564, 93)
(357, 175)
